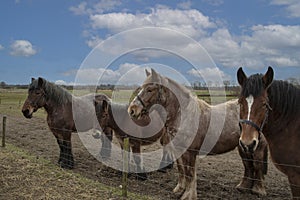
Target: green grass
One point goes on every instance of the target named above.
(11, 100)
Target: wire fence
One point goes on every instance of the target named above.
(217, 175)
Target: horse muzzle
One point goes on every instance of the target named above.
(135, 111)
(27, 113)
(249, 146)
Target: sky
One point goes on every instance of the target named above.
(112, 41)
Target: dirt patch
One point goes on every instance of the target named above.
(217, 176)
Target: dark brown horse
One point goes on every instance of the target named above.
(188, 119)
(60, 118)
(272, 108)
(114, 116)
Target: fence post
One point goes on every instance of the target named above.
(3, 131)
(125, 167)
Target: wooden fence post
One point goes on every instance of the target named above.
(125, 167)
(3, 131)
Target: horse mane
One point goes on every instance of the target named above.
(283, 96)
(53, 92)
(185, 91)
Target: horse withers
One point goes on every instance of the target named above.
(58, 104)
(272, 109)
(114, 116)
(177, 99)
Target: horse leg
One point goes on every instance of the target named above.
(260, 164)
(69, 160)
(65, 156)
(106, 139)
(136, 150)
(189, 161)
(167, 161)
(247, 180)
(294, 181)
(180, 187)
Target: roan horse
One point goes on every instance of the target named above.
(272, 108)
(155, 90)
(58, 105)
(122, 124)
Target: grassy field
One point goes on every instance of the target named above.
(11, 100)
(23, 176)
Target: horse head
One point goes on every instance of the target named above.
(254, 107)
(36, 97)
(153, 91)
(102, 107)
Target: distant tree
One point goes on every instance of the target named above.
(2, 84)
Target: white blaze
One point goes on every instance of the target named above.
(249, 100)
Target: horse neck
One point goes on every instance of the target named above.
(117, 110)
(56, 97)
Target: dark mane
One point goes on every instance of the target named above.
(53, 92)
(285, 97)
(253, 86)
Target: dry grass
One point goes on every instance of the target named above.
(23, 176)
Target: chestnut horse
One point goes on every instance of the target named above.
(61, 121)
(157, 89)
(272, 108)
(122, 124)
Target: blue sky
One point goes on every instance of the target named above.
(55, 39)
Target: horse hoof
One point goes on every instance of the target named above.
(164, 169)
(141, 176)
(66, 165)
(242, 187)
(259, 190)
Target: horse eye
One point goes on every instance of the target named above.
(37, 92)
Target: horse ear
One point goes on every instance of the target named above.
(268, 77)
(154, 73)
(147, 73)
(241, 76)
(40, 82)
(32, 79)
(95, 102)
(105, 105)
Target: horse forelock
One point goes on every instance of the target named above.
(253, 86)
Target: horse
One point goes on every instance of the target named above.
(271, 108)
(155, 90)
(105, 110)
(58, 104)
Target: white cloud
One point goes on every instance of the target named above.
(1, 47)
(22, 48)
(185, 5)
(292, 7)
(210, 74)
(124, 75)
(61, 82)
(88, 9)
(263, 45)
(276, 45)
(191, 22)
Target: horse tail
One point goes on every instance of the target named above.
(265, 160)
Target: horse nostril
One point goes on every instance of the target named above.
(252, 146)
(132, 112)
(244, 147)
